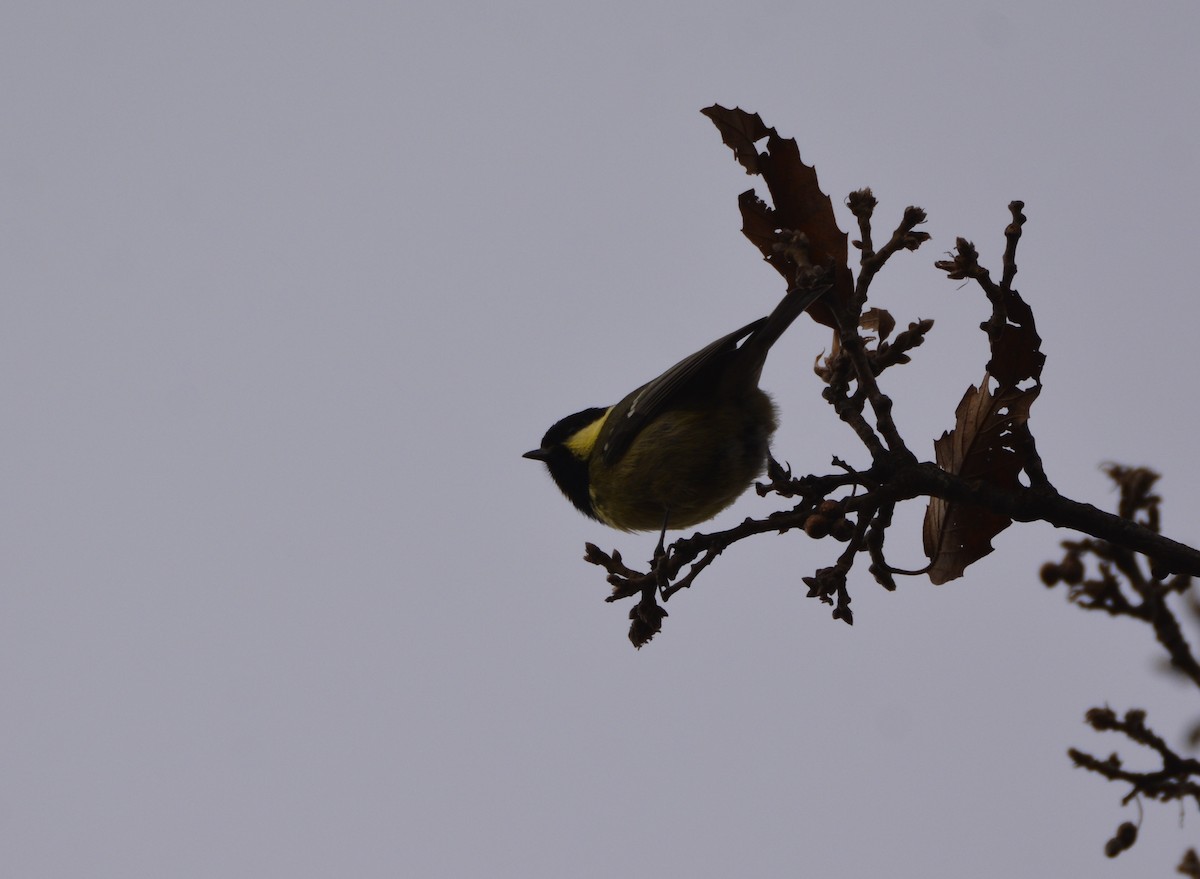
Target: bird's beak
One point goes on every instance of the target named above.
(537, 454)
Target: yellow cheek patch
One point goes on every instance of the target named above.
(583, 441)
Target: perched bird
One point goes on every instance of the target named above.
(683, 446)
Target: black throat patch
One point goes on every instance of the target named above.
(570, 472)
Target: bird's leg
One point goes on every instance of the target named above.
(662, 536)
(660, 552)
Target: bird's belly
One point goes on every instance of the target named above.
(693, 464)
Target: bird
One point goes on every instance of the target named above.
(681, 448)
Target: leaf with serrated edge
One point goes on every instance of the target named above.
(799, 205)
(980, 448)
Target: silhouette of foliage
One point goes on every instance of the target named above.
(986, 473)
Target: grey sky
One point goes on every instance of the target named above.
(288, 288)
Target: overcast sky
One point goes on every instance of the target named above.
(286, 290)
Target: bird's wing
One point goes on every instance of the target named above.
(651, 399)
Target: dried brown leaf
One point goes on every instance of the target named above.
(799, 208)
(879, 321)
(740, 131)
(983, 447)
(1016, 345)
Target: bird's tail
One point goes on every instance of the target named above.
(794, 304)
